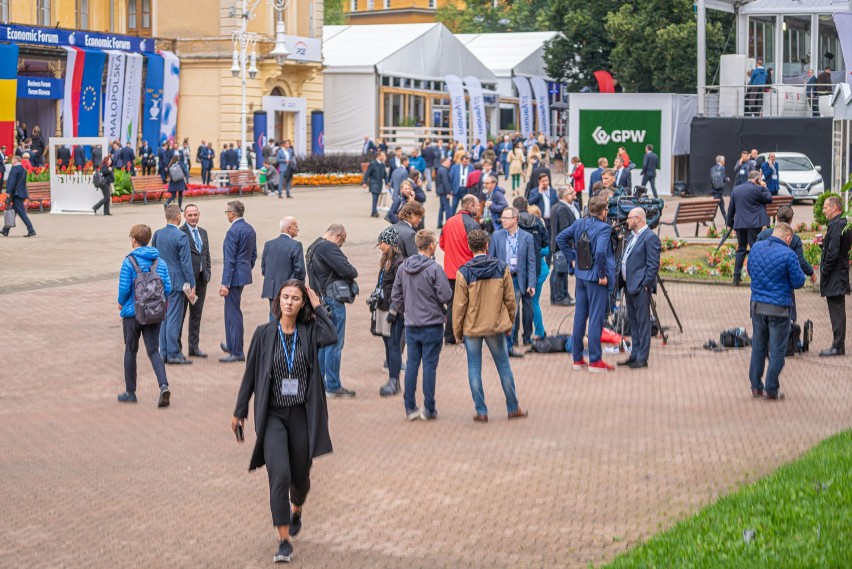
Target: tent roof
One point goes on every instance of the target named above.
(510, 54)
(783, 7)
(418, 51)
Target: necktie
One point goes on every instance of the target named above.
(197, 239)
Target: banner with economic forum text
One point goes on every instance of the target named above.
(603, 132)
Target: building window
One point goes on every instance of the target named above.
(4, 11)
(432, 4)
(353, 5)
(43, 12)
(387, 4)
(370, 4)
(139, 17)
(83, 14)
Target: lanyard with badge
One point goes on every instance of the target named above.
(513, 260)
(289, 385)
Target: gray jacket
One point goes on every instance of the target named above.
(421, 291)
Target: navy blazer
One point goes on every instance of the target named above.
(527, 256)
(16, 185)
(374, 176)
(623, 179)
(643, 263)
(240, 253)
(747, 207)
(603, 256)
(282, 260)
(443, 184)
(595, 176)
(455, 179)
(537, 199)
(650, 164)
(174, 247)
(79, 156)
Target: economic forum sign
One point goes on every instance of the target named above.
(603, 132)
(58, 37)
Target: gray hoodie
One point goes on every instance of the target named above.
(421, 290)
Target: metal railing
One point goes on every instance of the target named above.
(411, 136)
(777, 100)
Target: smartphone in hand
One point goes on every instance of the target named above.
(240, 434)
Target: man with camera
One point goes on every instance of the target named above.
(591, 245)
(775, 272)
(640, 264)
(747, 216)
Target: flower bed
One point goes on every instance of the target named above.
(337, 179)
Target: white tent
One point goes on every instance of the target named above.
(357, 58)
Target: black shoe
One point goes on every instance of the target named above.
(230, 359)
(30, 234)
(180, 360)
(5, 232)
(831, 352)
(285, 552)
(637, 364)
(626, 362)
(737, 281)
(374, 215)
(165, 394)
(94, 210)
(295, 523)
(195, 352)
(224, 347)
(513, 353)
(390, 388)
(341, 392)
(568, 302)
(107, 214)
(127, 397)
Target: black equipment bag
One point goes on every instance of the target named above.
(734, 338)
(551, 344)
(799, 340)
(584, 252)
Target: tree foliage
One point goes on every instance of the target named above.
(486, 16)
(333, 13)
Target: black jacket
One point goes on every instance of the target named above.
(374, 177)
(747, 208)
(834, 263)
(63, 154)
(533, 181)
(650, 163)
(200, 259)
(443, 183)
(388, 278)
(561, 218)
(79, 156)
(108, 173)
(312, 336)
(325, 262)
(281, 261)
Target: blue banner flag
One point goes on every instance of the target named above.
(152, 112)
(89, 111)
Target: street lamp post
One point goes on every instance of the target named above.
(244, 40)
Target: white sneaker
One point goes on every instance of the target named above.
(414, 415)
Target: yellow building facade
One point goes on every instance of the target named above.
(394, 11)
(200, 32)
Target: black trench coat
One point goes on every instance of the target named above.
(834, 263)
(317, 334)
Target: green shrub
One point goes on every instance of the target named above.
(121, 186)
(813, 253)
(819, 217)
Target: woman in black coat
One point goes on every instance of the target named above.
(290, 412)
(106, 189)
(176, 187)
(391, 260)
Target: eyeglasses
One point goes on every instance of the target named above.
(504, 218)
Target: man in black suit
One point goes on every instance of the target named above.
(563, 215)
(834, 271)
(223, 158)
(747, 215)
(63, 157)
(640, 264)
(650, 163)
(444, 189)
(199, 248)
(128, 157)
(97, 155)
(164, 156)
(79, 157)
(534, 177)
(374, 179)
(282, 260)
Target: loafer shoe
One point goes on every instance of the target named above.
(231, 359)
(480, 418)
(519, 414)
(197, 353)
(626, 362)
(637, 364)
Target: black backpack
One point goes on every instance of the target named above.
(149, 294)
(584, 252)
(799, 340)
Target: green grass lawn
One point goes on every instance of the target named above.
(800, 516)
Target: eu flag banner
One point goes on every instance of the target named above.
(8, 95)
(81, 106)
(153, 109)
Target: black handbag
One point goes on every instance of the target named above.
(560, 263)
(342, 291)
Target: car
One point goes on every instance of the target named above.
(797, 176)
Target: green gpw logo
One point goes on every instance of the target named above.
(603, 132)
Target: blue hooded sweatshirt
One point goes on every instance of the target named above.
(144, 258)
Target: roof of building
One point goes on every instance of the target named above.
(507, 54)
(780, 7)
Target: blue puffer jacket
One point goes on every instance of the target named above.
(775, 272)
(144, 258)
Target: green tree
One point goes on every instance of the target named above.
(333, 13)
(484, 16)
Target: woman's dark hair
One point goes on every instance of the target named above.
(306, 314)
(174, 160)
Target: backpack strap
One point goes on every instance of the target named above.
(135, 264)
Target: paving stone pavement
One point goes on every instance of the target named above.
(601, 463)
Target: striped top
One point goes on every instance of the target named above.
(280, 371)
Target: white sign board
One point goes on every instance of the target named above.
(303, 49)
(73, 193)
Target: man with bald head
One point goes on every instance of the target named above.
(282, 260)
(640, 264)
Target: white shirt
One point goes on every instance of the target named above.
(629, 250)
(545, 203)
(463, 177)
(573, 209)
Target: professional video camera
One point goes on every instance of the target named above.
(620, 204)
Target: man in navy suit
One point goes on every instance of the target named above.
(16, 190)
(374, 178)
(232, 159)
(79, 157)
(164, 156)
(623, 179)
(174, 247)
(595, 176)
(444, 189)
(200, 249)
(747, 215)
(63, 156)
(458, 179)
(640, 264)
(517, 249)
(240, 254)
(223, 158)
(282, 260)
(128, 158)
(650, 164)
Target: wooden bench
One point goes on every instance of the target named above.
(241, 179)
(696, 210)
(39, 192)
(777, 201)
(144, 184)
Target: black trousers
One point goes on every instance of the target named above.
(107, 192)
(195, 311)
(717, 194)
(448, 327)
(151, 334)
(837, 314)
(652, 180)
(745, 239)
(288, 460)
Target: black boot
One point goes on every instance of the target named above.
(390, 388)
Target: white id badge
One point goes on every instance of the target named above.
(289, 386)
(513, 262)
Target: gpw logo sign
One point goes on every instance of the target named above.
(602, 132)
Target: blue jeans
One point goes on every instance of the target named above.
(443, 209)
(170, 329)
(504, 370)
(393, 347)
(769, 333)
(505, 163)
(424, 343)
(591, 305)
(538, 319)
(329, 357)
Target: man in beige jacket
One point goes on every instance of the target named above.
(483, 309)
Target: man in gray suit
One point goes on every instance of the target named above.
(173, 245)
(200, 249)
(282, 260)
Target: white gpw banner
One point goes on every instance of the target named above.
(525, 106)
(477, 108)
(542, 104)
(132, 98)
(459, 108)
(114, 94)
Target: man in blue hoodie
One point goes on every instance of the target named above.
(145, 257)
(421, 291)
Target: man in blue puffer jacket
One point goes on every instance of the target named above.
(140, 236)
(775, 272)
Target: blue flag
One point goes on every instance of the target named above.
(89, 111)
(152, 112)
